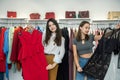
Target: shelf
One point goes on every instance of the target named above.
(73, 20)
(69, 19)
(106, 21)
(68, 22)
(37, 21)
(13, 18)
(13, 21)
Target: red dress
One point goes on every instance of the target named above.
(2, 55)
(32, 56)
(15, 45)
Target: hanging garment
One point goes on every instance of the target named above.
(2, 55)
(5, 49)
(16, 47)
(112, 70)
(10, 40)
(1, 76)
(114, 67)
(63, 69)
(71, 68)
(32, 56)
(41, 29)
(118, 65)
(98, 65)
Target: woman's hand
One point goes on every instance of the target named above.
(79, 69)
(51, 66)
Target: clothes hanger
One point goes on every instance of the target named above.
(29, 28)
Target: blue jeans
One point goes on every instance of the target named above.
(81, 75)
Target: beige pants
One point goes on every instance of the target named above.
(53, 72)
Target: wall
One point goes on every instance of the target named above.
(98, 8)
(98, 11)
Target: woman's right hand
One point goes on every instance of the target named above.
(51, 66)
(79, 69)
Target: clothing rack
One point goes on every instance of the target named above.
(23, 24)
(70, 23)
(10, 22)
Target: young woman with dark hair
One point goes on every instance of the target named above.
(53, 47)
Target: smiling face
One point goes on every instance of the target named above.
(85, 28)
(52, 26)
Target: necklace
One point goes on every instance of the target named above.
(83, 41)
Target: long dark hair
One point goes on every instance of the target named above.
(78, 37)
(49, 33)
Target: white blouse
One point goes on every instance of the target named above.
(52, 48)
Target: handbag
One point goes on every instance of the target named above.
(49, 15)
(11, 14)
(83, 14)
(34, 16)
(70, 14)
(113, 15)
(98, 64)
